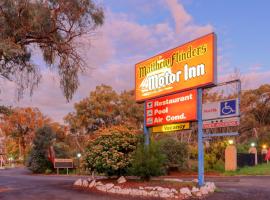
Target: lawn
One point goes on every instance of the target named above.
(262, 169)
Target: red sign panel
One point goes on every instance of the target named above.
(180, 107)
(226, 122)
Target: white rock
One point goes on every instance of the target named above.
(124, 191)
(164, 195)
(167, 190)
(174, 191)
(117, 187)
(149, 188)
(194, 190)
(159, 188)
(78, 182)
(101, 188)
(85, 183)
(113, 190)
(121, 180)
(185, 191)
(134, 192)
(90, 179)
(204, 190)
(109, 186)
(198, 194)
(210, 186)
(92, 184)
(99, 183)
(144, 193)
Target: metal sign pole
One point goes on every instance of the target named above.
(145, 129)
(200, 140)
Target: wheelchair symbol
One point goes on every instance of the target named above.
(228, 107)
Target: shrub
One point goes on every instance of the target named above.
(215, 155)
(111, 151)
(148, 162)
(176, 153)
(38, 161)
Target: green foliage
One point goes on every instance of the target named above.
(243, 148)
(62, 150)
(176, 153)
(148, 162)
(261, 169)
(52, 26)
(214, 156)
(38, 161)
(111, 151)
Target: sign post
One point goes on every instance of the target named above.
(200, 140)
(145, 129)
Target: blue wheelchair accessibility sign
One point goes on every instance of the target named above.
(228, 107)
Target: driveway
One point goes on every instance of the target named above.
(21, 184)
(238, 188)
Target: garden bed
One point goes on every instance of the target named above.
(177, 189)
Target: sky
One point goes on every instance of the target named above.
(135, 30)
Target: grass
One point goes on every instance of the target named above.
(261, 169)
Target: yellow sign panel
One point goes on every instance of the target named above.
(171, 127)
(191, 65)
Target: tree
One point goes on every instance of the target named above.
(130, 111)
(38, 161)
(99, 109)
(255, 115)
(21, 125)
(104, 107)
(52, 26)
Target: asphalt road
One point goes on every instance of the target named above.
(18, 184)
(242, 188)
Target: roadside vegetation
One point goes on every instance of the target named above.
(106, 129)
(260, 169)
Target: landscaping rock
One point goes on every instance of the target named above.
(90, 179)
(159, 188)
(121, 180)
(101, 188)
(174, 191)
(149, 188)
(78, 182)
(99, 183)
(194, 190)
(109, 186)
(198, 194)
(92, 184)
(204, 190)
(117, 188)
(185, 191)
(164, 195)
(85, 183)
(210, 186)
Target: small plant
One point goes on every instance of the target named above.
(148, 161)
